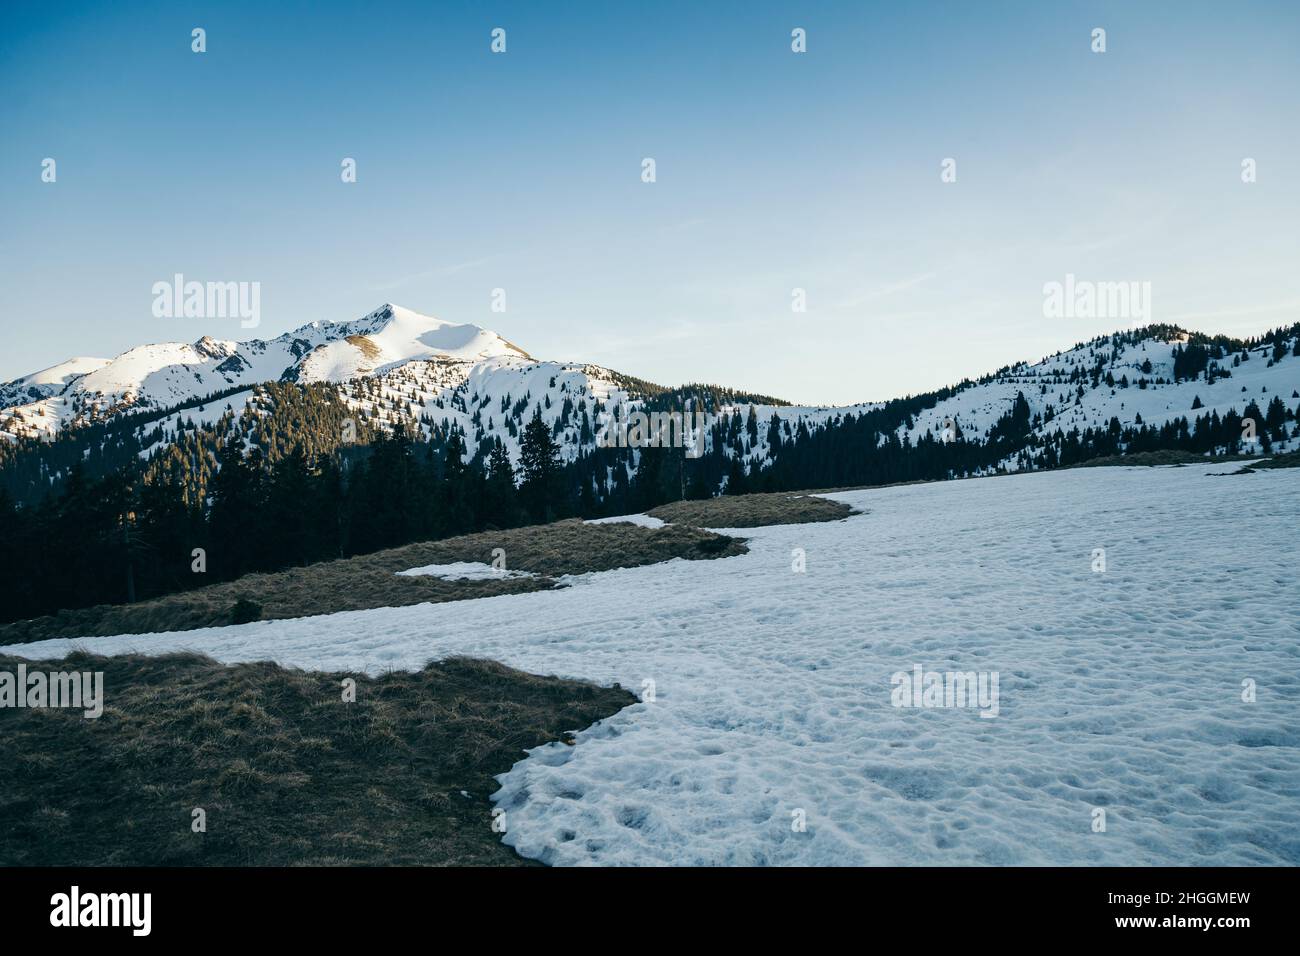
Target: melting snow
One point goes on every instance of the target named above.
(1119, 691)
(465, 571)
(645, 521)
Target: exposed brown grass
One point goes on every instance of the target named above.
(1175, 457)
(1290, 460)
(752, 511)
(1166, 456)
(286, 771)
(370, 581)
(368, 348)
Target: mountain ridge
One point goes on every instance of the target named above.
(166, 374)
(443, 381)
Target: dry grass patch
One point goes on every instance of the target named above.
(286, 772)
(1290, 460)
(1251, 464)
(752, 511)
(568, 547)
(1164, 456)
(371, 581)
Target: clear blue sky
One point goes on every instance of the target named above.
(775, 170)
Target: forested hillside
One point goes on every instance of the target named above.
(288, 473)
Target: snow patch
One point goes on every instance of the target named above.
(643, 520)
(465, 571)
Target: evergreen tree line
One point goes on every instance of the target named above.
(274, 485)
(139, 534)
(135, 535)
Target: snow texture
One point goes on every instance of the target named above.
(396, 365)
(645, 521)
(465, 571)
(1046, 387)
(169, 374)
(1119, 690)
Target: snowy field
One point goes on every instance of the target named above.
(1118, 690)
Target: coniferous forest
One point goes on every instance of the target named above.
(111, 512)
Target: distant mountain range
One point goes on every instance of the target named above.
(398, 365)
(176, 374)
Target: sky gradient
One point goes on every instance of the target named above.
(775, 170)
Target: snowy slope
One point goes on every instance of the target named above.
(396, 365)
(492, 397)
(1118, 690)
(49, 381)
(169, 374)
(404, 336)
(31, 391)
(496, 397)
(1056, 400)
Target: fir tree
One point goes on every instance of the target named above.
(539, 464)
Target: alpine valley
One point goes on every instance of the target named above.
(328, 385)
(347, 438)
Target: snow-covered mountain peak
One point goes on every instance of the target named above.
(393, 335)
(166, 374)
(395, 365)
(64, 372)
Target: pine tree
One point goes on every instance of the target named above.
(500, 500)
(458, 494)
(539, 464)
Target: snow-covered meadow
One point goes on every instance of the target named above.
(1120, 690)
